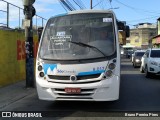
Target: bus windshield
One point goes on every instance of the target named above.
(78, 36)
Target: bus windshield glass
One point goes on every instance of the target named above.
(78, 36)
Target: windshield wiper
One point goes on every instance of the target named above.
(86, 45)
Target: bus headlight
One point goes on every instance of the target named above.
(109, 73)
(40, 68)
(110, 69)
(41, 74)
(111, 66)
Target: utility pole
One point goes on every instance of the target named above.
(91, 4)
(29, 12)
(7, 14)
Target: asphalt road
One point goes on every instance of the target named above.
(137, 93)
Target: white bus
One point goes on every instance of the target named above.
(79, 57)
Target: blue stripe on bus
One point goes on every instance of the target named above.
(91, 72)
(59, 15)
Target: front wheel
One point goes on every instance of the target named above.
(141, 69)
(134, 65)
(147, 74)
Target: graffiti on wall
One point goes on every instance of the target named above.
(21, 49)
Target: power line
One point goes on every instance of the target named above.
(125, 5)
(137, 9)
(143, 19)
(67, 5)
(62, 5)
(81, 4)
(98, 3)
(133, 8)
(77, 4)
(70, 5)
(110, 3)
(103, 4)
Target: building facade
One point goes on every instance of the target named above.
(155, 41)
(140, 35)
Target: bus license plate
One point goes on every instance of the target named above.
(73, 90)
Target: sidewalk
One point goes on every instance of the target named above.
(11, 93)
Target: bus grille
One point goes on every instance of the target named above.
(80, 79)
(56, 77)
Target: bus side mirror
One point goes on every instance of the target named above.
(121, 25)
(127, 31)
(40, 29)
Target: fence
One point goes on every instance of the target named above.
(12, 47)
(14, 19)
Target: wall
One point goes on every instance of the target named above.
(158, 22)
(135, 37)
(12, 56)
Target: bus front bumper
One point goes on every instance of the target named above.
(104, 90)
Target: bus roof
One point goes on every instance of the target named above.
(83, 11)
(90, 11)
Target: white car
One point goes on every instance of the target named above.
(150, 62)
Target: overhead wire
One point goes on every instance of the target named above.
(143, 19)
(67, 5)
(71, 5)
(77, 4)
(136, 9)
(97, 3)
(110, 3)
(101, 5)
(62, 5)
(81, 4)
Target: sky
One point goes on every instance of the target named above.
(131, 11)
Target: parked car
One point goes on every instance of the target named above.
(136, 57)
(151, 62)
(129, 53)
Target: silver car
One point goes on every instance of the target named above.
(137, 58)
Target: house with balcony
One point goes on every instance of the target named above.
(155, 41)
(140, 35)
